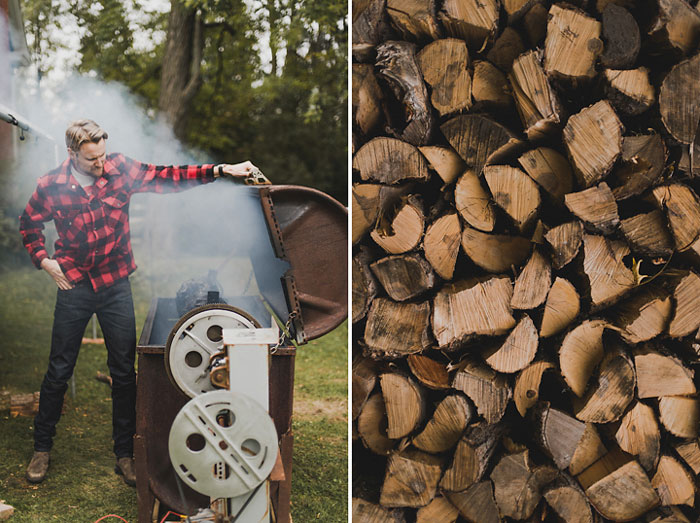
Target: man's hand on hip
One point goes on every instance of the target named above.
(54, 270)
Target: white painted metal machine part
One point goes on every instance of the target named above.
(223, 444)
(194, 340)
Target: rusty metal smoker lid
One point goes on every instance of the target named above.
(309, 229)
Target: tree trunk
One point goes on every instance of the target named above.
(180, 73)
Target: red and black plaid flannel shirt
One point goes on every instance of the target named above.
(93, 226)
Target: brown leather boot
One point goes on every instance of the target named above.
(38, 466)
(125, 467)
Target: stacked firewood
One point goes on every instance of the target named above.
(526, 260)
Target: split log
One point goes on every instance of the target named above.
(370, 26)
(535, 100)
(444, 65)
(365, 209)
(565, 240)
(593, 138)
(364, 286)
(366, 97)
(572, 44)
(488, 390)
(494, 252)
(533, 283)
(680, 415)
(472, 457)
(24, 404)
(507, 47)
(514, 192)
(366, 512)
(518, 485)
(444, 161)
(612, 392)
(415, 19)
(441, 244)
(673, 483)
(527, 385)
(638, 434)
(647, 234)
(679, 98)
(405, 404)
(677, 24)
(662, 375)
(580, 353)
(621, 38)
(550, 170)
(364, 378)
(561, 308)
(641, 163)
(595, 207)
(569, 442)
(459, 311)
(480, 140)
(682, 211)
(489, 86)
(623, 495)
(396, 62)
(569, 503)
(475, 22)
(535, 24)
(589, 450)
(429, 372)
(397, 329)
(686, 297)
(402, 231)
(690, 452)
(444, 429)
(6, 511)
(390, 161)
(517, 351)
(405, 276)
(411, 479)
(372, 426)
(438, 510)
(608, 277)
(476, 503)
(643, 316)
(473, 203)
(630, 91)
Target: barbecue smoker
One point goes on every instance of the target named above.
(216, 368)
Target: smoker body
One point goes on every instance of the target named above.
(157, 403)
(306, 232)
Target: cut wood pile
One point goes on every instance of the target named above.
(526, 260)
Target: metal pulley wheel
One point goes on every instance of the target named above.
(195, 339)
(223, 444)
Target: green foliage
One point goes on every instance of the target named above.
(287, 113)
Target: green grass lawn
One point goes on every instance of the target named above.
(81, 486)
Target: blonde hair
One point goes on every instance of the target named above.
(82, 131)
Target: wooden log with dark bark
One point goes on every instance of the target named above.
(396, 63)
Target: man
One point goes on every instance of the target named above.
(88, 199)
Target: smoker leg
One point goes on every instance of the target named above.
(282, 497)
(144, 496)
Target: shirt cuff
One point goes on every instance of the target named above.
(39, 257)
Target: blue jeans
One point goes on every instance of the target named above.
(115, 311)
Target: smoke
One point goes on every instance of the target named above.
(175, 237)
